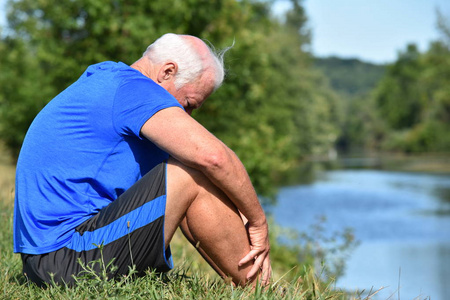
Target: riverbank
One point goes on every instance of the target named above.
(425, 163)
(438, 163)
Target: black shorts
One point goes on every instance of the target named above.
(130, 230)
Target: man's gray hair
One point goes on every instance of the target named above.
(173, 47)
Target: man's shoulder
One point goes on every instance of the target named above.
(110, 67)
(107, 77)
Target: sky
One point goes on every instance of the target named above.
(371, 30)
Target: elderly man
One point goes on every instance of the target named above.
(116, 160)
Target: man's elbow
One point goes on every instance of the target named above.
(216, 161)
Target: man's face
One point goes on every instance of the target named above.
(192, 95)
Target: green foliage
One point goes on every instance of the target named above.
(414, 98)
(409, 108)
(400, 96)
(362, 129)
(350, 77)
(353, 80)
(313, 249)
(24, 89)
(273, 109)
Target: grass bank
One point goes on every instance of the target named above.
(191, 279)
(437, 163)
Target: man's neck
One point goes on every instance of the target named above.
(146, 67)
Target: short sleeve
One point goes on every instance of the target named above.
(137, 99)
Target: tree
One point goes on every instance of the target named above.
(400, 97)
(414, 97)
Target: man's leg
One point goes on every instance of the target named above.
(131, 230)
(207, 217)
(186, 232)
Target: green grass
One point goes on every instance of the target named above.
(191, 279)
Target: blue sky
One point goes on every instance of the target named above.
(371, 30)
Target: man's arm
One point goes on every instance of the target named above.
(174, 131)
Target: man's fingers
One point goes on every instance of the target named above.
(266, 271)
(249, 257)
(257, 265)
(261, 263)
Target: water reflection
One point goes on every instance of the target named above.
(401, 219)
(443, 193)
(411, 270)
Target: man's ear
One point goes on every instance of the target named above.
(167, 71)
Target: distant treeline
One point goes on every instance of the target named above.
(403, 106)
(350, 76)
(278, 104)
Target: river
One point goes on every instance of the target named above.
(401, 219)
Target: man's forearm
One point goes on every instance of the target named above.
(232, 178)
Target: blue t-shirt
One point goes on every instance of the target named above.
(82, 151)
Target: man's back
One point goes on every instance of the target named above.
(82, 151)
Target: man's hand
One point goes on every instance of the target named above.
(259, 253)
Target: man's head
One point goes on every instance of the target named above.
(192, 56)
(186, 67)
